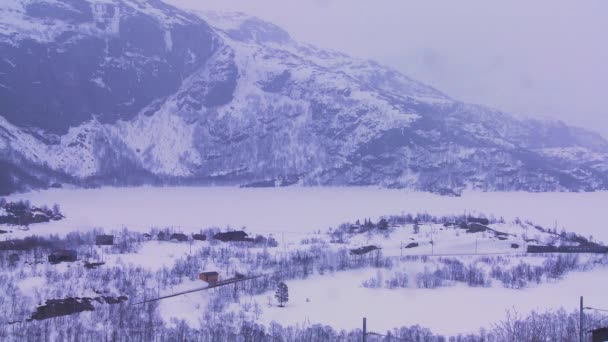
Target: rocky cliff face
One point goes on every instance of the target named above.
(133, 91)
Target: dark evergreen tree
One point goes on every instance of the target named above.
(282, 294)
(383, 224)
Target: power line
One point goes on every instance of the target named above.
(218, 284)
(590, 308)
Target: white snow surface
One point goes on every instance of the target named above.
(301, 209)
(340, 301)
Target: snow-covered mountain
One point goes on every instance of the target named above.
(134, 91)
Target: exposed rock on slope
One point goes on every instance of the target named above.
(134, 91)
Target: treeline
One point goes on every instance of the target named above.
(420, 218)
(483, 271)
(383, 224)
(23, 213)
(125, 322)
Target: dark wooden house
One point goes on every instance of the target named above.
(199, 237)
(13, 259)
(481, 220)
(64, 255)
(179, 237)
(209, 277)
(363, 250)
(599, 335)
(232, 236)
(590, 248)
(475, 228)
(104, 240)
(411, 245)
(62, 307)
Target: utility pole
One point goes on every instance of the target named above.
(283, 243)
(432, 242)
(581, 321)
(364, 329)
(401, 249)
(475, 245)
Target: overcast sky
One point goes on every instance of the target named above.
(542, 58)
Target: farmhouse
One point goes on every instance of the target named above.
(209, 277)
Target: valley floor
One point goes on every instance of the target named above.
(319, 223)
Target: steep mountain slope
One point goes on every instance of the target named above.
(133, 91)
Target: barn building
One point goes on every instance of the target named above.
(209, 277)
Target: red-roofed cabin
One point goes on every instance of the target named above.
(209, 277)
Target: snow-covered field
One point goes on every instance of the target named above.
(299, 209)
(341, 302)
(293, 215)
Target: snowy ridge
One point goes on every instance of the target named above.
(243, 103)
(27, 19)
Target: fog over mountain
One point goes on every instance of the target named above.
(541, 59)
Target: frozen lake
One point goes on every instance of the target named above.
(299, 209)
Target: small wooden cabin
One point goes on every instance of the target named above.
(104, 240)
(232, 236)
(179, 237)
(199, 237)
(63, 255)
(209, 277)
(363, 250)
